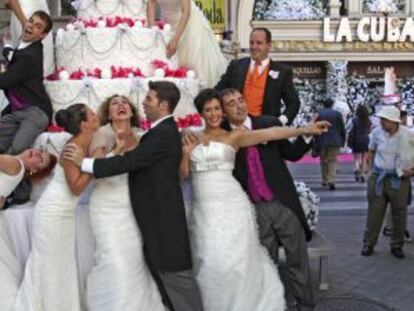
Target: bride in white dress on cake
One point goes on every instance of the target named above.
(120, 279)
(193, 40)
(22, 10)
(50, 280)
(234, 271)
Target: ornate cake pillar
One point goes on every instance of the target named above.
(334, 7)
(354, 8)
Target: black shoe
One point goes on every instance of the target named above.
(362, 179)
(331, 186)
(324, 184)
(367, 250)
(387, 231)
(356, 174)
(398, 252)
(407, 237)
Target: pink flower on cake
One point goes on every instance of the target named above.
(181, 72)
(145, 124)
(191, 120)
(176, 73)
(55, 128)
(159, 64)
(122, 72)
(77, 75)
(55, 76)
(95, 73)
(160, 24)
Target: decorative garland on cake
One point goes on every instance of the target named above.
(122, 31)
(83, 5)
(289, 10)
(123, 36)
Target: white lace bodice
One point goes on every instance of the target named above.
(213, 157)
(171, 12)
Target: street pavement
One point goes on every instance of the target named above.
(381, 277)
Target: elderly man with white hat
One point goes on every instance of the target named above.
(388, 183)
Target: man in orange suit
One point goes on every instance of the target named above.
(263, 82)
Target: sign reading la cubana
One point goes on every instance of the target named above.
(375, 29)
(215, 11)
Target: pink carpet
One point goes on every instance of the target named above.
(342, 158)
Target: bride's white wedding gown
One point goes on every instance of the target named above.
(120, 279)
(234, 271)
(50, 280)
(10, 269)
(29, 7)
(198, 48)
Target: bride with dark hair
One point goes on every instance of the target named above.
(50, 280)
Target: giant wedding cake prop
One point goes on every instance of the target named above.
(109, 50)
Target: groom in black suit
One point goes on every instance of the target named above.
(30, 109)
(156, 197)
(280, 218)
(263, 82)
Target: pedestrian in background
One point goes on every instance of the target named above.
(387, 183)
(329, 144)
(358, 140)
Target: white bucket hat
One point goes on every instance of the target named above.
(390, 113)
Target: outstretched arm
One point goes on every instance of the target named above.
(182, 24)
(17, 10)
(77, 181)
(252, 138)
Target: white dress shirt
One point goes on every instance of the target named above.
(264, 63)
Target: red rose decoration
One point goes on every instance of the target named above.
(55, 128)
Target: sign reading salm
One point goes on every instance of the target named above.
(374, 29)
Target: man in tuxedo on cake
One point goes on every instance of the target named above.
(156, 197)
(263, 82)
(280, 216)
(30, 109)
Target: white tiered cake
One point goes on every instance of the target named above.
(101, 56)
(104, 46)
